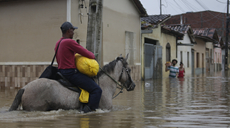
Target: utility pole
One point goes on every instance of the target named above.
(94, 30)
(160, 8)
(226, 41)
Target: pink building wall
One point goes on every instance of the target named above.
(217, 56)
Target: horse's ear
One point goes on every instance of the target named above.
(119, 57)
(126, 58)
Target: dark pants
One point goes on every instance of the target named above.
(85, 82)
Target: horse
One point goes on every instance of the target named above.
(45, 94)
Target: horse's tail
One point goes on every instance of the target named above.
(17, 100)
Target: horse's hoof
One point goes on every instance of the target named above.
(86, 109)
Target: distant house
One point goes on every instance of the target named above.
(218, 55)
(203, 50)
(184, 46)
(202, 19)
(30, 29)
(158, 46)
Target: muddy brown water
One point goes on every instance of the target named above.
(201, 101)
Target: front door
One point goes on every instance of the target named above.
(153, 61)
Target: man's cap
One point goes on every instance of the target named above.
(67, 25)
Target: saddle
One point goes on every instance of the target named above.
(84, 95)
(63, 81)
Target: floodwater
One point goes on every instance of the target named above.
(201, 101)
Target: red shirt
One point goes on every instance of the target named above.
(181, 74)
(66, 53)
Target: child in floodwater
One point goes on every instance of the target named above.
(181, 71)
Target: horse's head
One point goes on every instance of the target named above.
(125, 78)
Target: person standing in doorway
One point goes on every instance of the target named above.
(174, 70)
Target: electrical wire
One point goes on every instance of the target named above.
(191, 5)
(179, 6)
(221, 2)
(186, 4)
(175, 9)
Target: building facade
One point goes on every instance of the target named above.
(30, 29)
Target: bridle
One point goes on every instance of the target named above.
(121, 87)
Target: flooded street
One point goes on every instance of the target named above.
(200, 101)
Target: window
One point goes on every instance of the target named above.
(187, 59)
(181, 56)
(168, 52)
(202, 60)
(197, 60)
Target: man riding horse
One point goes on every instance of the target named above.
(67, 48)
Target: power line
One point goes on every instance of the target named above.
(187, 5)
(194, 7)
(171, 4)
(179, 6)
(221, 2)
(201, 5)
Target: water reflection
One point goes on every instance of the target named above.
(199, 101)
(188, 102)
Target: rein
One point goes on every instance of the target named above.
(121, 87)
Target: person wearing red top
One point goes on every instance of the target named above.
(66, 65)
(181, 71)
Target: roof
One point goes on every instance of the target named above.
(153, 20)
(199, 12)
(140, 7)
(206, 33)
(221, 42)
(182, 28)
(178, 27)
(172, 32)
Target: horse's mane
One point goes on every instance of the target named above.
(109, 68)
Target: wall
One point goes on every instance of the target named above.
(119, 17)
(209, 60)
(187, 60)
(30, 29)
(200, 48)
(163, 39)
(217, 58)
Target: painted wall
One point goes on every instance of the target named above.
(162, 39)
(199, 48)
(186, 55)
(120, 18)
(165, 38)
(34, 27)
(217, 58)
(209, 59)
(30, 29)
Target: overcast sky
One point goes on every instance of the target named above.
(175, 7)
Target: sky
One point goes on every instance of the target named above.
(175, 7)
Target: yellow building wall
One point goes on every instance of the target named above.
(200, 48)
(120, 16)
(162, 39)
(30, 29)
(172, 41)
